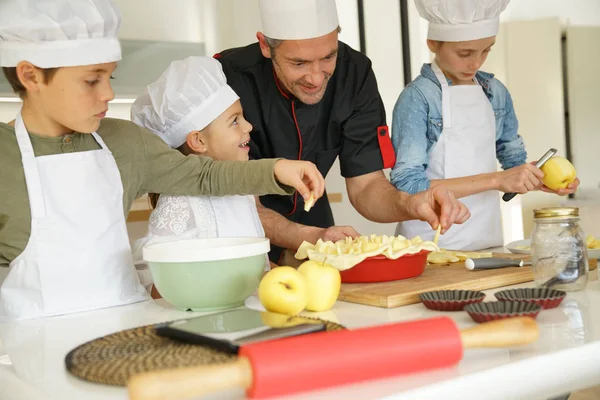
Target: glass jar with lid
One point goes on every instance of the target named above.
(558, 249)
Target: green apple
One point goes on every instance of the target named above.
(558, 173)
(324, 282)
(283, 290)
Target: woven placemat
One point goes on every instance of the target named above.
(113, 359)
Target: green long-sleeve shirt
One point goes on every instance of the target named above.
(146, 164)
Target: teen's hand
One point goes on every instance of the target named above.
(571, 188)
(521, 179)
(301, 175)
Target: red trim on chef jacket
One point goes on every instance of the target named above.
(217, 55)
(385, 146)
(297, 130)
(284, 94)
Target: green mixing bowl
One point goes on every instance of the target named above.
(207, 274)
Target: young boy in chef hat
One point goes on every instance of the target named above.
(453, 121)
(69, 176)
(192, 109)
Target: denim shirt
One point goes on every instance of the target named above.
(417, 125)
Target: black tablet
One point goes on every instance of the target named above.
(228, 330)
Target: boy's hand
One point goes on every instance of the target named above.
(437, 206)
(571, 188)
(521, 179)
(301, 175)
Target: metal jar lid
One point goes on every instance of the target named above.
(556, 212)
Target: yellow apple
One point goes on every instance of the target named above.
(324, 282)
(283, 290)
(558, 173)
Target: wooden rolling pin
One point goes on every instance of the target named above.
(326, 359)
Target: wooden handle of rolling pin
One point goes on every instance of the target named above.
(188, 382)
(184, 383)
(501, 333)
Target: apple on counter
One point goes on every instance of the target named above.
(283, 290)
(558, 173)
(324, 282)
(314, 286)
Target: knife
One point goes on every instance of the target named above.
(492, 263)
(508, 196)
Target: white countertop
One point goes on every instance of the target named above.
(566, 358)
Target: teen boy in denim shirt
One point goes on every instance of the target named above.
(453, 121)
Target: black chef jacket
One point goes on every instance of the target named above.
(348, 122)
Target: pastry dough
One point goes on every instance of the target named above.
(346, 253)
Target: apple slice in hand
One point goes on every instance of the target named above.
(310, 202)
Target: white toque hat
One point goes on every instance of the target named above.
(461, 20)
(298, 19)
(59, 33)
(187, 97)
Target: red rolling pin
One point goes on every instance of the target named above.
(326, 359)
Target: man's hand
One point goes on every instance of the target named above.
(301, 175)
(437, 205)
(335, 233)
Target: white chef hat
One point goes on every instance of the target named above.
(461, 20)
(187, 97)
(59, 33)
(298, 19)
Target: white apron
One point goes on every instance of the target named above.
(236, 216)
(78, 256)
(466, 146)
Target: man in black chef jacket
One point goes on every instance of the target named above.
(311, 97)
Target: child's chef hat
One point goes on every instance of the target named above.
(187, 97)
(298, 19)
(461, 20)
(59, 33)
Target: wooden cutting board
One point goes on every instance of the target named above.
(436, 277)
